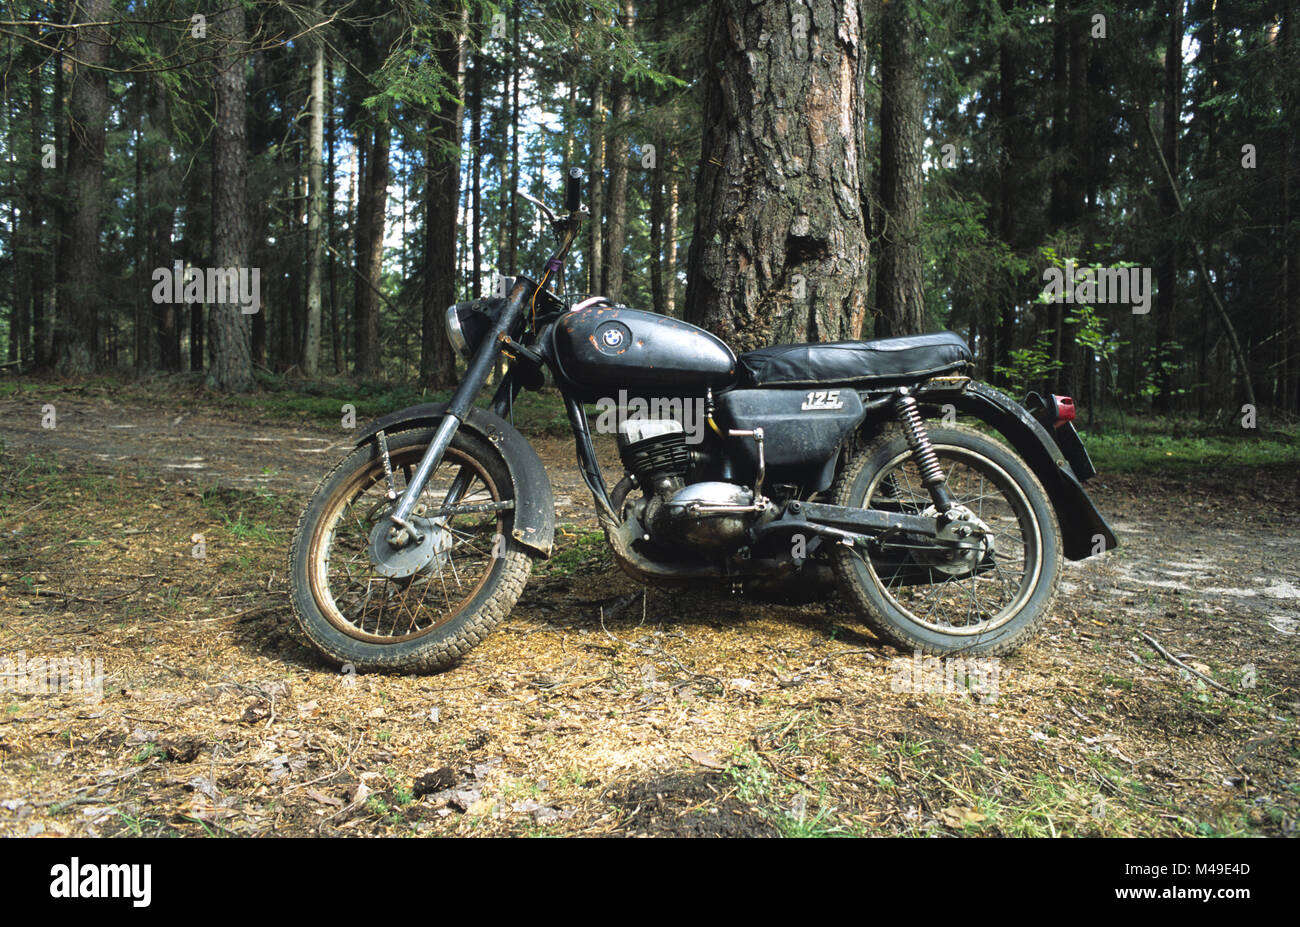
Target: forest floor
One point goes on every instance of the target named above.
(601, 707)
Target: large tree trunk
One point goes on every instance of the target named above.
(442, 198)
(230, 361)
(901, 289)
(617, 230)
(79, 278)
(315, 208)
(780, 248)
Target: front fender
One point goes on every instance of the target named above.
(1081, 524)
(534, 502)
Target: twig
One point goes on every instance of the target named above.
(1179, 663)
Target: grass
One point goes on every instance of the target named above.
(575, 550)
(1152, 453)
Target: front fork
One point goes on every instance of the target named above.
(403, 531)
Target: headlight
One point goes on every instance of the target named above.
(469, 322)
(455, 333)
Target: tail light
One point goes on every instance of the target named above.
(1062, 410)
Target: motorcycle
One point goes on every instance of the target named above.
(801, 458)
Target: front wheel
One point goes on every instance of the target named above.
(987, 597)
(421, 610)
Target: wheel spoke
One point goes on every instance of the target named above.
(372, 605)
(963, 593)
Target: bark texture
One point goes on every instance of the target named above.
(780, 247)
(83, 181)
(230, 364)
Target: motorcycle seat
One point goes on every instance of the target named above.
(905, 357)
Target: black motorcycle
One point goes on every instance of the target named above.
(785, 459)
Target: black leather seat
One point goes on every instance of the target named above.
(907, 357)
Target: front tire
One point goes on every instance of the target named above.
(428, 620)
(939, 605)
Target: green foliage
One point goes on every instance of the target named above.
(1029, 365)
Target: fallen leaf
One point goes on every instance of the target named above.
(959, 817)
(706, 759)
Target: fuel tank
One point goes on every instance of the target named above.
(597, 352)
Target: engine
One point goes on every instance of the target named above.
(708, 515)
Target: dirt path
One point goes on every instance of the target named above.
(597, 707)
(191, 445)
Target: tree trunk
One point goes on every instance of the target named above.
(1290, 250)
(230, 360)
(144, 345)
(670, 247)
(1167, 266)
(442, 198)
(315, 207)
(194, 248)
(79, 278)
(658, 219)
(1009, 181)
(24, 232)
(336, 331)
(1080, 145)
(474, 102)
(162, 215)
(901, 289)
(596, 260)
(33, 339)
(780, 245)
(372, 201)
(621, 151)
(512, 254)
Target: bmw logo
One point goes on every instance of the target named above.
(612, 338)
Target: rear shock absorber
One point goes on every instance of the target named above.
(918, 439)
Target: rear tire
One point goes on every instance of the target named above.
(991, 610)
(426, 621)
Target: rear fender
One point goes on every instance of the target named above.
(1084, 531)
(534, 503)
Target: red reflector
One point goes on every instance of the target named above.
(1063, 406)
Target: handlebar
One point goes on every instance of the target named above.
(573, 190)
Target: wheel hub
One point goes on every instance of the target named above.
(964, 526)
(411, 557)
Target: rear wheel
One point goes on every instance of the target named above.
(425, 609)
(987, 597)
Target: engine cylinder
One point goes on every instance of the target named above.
(653, 451)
